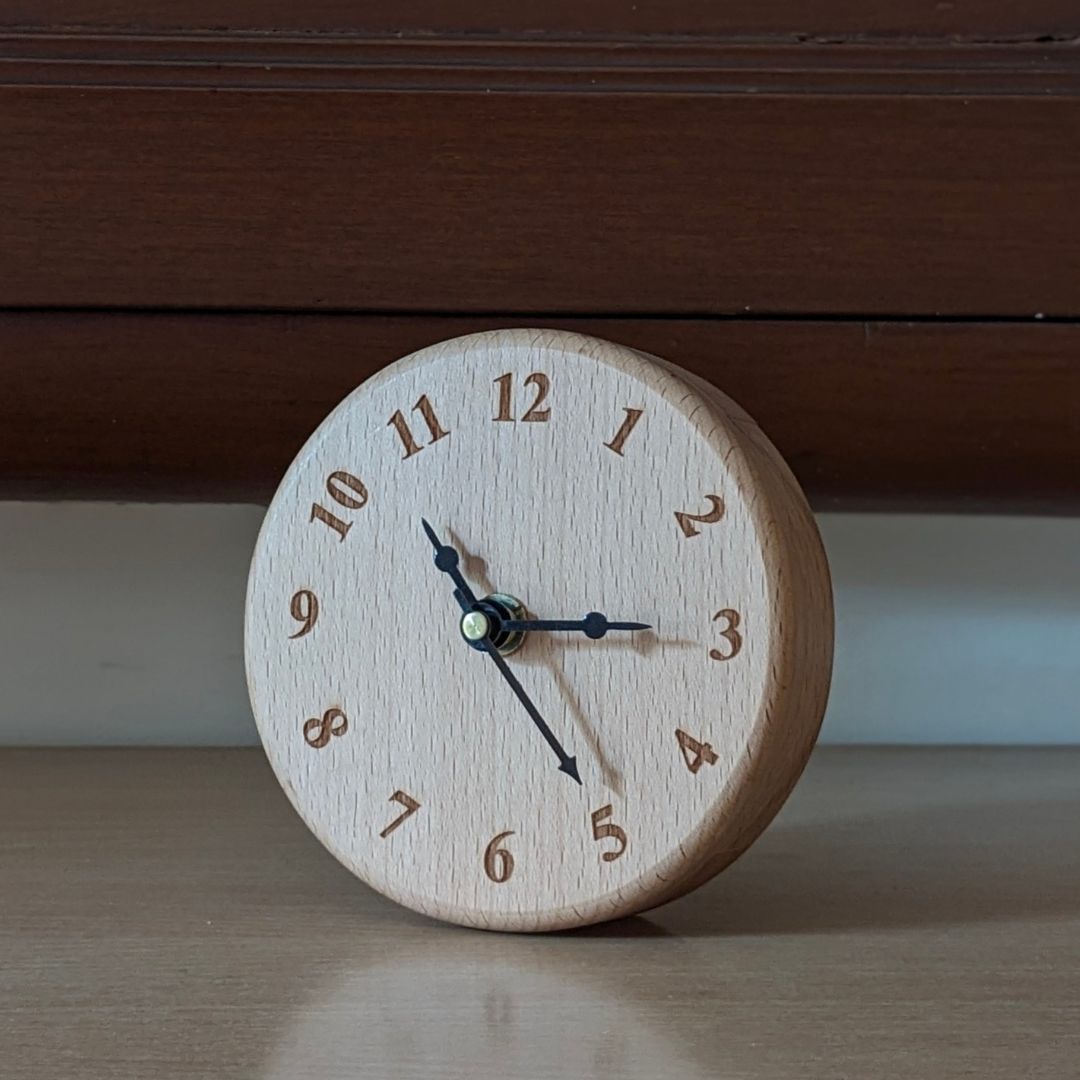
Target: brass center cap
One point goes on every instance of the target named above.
(485, 622)
(474, 625)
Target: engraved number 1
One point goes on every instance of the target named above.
(632, 417)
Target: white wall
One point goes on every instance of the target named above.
(122, 624)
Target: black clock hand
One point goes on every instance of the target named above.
(567, 763)
(594, 625)
(447, 559)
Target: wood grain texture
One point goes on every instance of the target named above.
(536, 63)
(450, 176)
(910, 913)
(787, 19)
(916, 162)
(869, 415)
(679, 752)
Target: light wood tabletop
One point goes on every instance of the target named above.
(911, 913)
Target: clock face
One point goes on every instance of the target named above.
(536, 777)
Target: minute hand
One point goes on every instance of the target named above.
(594, 625)
(567, 763)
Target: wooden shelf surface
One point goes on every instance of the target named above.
(911, 913)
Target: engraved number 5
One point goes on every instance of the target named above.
(608, 830)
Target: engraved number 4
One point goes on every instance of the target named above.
(695, 753)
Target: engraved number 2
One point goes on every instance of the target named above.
(688, 521)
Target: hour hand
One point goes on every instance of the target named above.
(595, 625)
(447, 560)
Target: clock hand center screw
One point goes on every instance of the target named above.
(484, 621)
(474, 626)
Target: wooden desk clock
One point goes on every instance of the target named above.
(538, 631)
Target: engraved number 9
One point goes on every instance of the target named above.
(304, 608)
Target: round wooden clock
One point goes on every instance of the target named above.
(538, 631)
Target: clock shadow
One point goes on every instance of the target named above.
(476, 568)
(643, 642)
(549, 651)
(633, 926)
(549, 654)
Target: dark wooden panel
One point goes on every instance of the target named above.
(560, 201)
(785, 18)
(526, 66)
(532, 66)
(874, 415)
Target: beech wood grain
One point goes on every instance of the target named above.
(689, 748)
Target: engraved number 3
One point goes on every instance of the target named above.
(730, 634)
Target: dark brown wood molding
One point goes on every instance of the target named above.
(787, 20)
(870, 415)
(533, 65)
(143, 196)
(685, 178)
